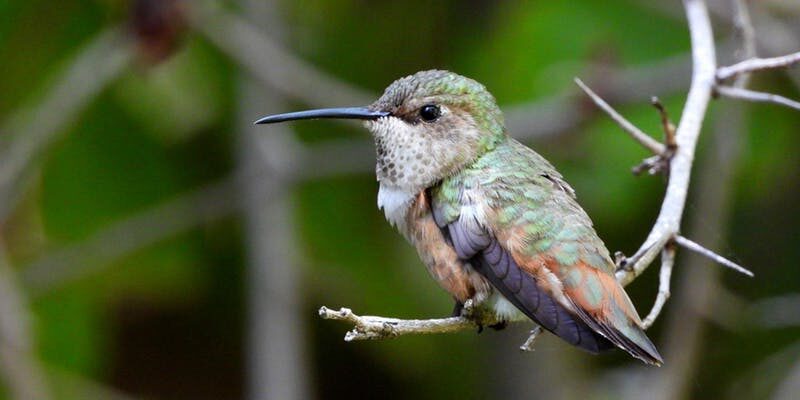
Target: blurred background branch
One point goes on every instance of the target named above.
(21, 371)
(268, 61)
(30, 130)
(276, 361)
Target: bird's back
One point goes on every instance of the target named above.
(531, 213)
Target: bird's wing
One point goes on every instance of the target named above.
(439, 256)
(524, 232)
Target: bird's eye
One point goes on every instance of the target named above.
(430, 112)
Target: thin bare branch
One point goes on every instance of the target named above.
(667, 262)
(699, 249)
(668, 222)
(757, 64)
(637, 134)
(370, 328)
(759, 97)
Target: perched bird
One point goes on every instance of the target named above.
(492, 220)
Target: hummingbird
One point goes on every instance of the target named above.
(492, 220)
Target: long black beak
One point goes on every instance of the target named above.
(340, 113)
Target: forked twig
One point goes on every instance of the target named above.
(757, 64)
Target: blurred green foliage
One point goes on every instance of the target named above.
(161, 130)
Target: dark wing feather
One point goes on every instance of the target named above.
(474, 244)
(642, 348)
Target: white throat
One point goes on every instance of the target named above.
(395, 202)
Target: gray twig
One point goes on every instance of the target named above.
(752, 95)
(370, 327)
(699, 249)
(757, 64)
(667, 262)
(637, 134)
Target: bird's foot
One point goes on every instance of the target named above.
(458, 309)
(622, 262)
(469, 311)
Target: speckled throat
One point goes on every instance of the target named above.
(412, 157)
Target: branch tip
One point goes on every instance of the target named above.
(756, 64)
(699, 249)
(752, 95)
(666, 124)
